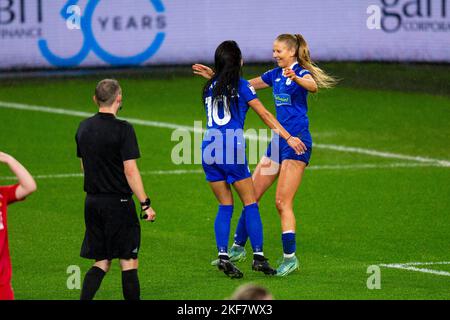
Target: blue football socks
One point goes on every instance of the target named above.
(254, 227)
(241, 235)
(222, 228)
(289, 246)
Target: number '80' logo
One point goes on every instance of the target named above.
(91, 43)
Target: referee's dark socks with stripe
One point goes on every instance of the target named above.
(130, 285)
(91, 283)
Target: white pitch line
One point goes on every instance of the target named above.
(444, 163)
(375, 153)
(183, 171)
(425, 263)
(81, 175)
(423, 270)
(372, 166)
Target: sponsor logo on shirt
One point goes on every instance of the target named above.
(282, 99)
(277, 79)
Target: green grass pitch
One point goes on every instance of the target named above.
(353, 209)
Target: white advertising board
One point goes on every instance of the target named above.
(85, 33)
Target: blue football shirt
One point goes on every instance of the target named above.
(290, 98)
(222, 114)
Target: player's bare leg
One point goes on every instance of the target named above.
(289, 179)
(264, 176)
(222, 191)
(245, 191)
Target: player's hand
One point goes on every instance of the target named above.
(151, 214)
(289, 73)
(297, 144)
(203, 71)
(4, 157)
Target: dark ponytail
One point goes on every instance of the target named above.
(227, 65)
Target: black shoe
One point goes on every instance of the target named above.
(263, 266)
(229, 269)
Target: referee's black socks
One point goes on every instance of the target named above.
(130, 285)
(91, 283)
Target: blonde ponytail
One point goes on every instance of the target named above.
(297, 41)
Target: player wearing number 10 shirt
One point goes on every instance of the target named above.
(227, 98)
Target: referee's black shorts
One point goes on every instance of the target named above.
(112, 228)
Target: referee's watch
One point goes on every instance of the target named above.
(146, 204)
(144, 207)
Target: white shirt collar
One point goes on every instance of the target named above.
(293, 65)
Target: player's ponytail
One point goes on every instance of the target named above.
(303, 56)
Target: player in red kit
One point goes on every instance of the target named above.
(8, 195)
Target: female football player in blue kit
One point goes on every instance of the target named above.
(227, 98)
(295, 76)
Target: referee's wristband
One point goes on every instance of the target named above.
(145, 205)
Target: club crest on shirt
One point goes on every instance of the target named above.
(288, 81)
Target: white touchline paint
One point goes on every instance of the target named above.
(81, 175)
(372, 166)
(408, 266)
(198, 171)
(424, 263)
(375, 153)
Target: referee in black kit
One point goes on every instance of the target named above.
(108, 150)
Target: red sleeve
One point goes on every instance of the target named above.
(9, 193)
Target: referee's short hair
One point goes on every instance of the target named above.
(107, 91)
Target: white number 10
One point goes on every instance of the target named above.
(213, 111)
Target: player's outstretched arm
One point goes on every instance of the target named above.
(258, 83)
(27, 185)
(306, 81)
(135, 182)
(207, 73)
(269, 119)
(203, 71)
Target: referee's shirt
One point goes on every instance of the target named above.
(103, 144)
